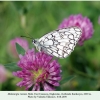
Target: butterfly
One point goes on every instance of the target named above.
(59, 43)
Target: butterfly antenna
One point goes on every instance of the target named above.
(27, 37)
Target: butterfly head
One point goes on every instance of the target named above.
(36, 44)
(34, 41)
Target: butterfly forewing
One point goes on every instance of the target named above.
(61, 42)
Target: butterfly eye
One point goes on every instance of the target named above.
(34, 41)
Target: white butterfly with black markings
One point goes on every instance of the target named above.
(59, 43)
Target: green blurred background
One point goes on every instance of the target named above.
(38, 18)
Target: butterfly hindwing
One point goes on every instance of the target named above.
(61, 42)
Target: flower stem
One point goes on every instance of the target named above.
(0, 86)
(83, 74)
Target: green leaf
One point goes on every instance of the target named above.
(12, 66)
(67, 79)
(20, 50)
(89, 71)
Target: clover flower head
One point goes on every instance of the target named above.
(39, 71)
(83, 22)
(3, 74)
